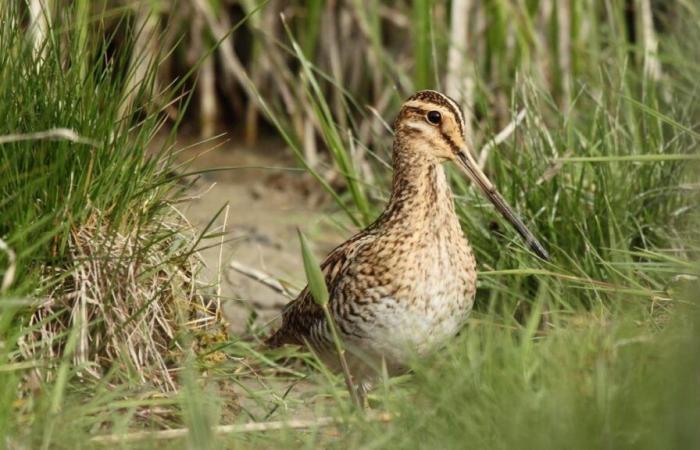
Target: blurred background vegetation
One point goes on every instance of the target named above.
(584, 113)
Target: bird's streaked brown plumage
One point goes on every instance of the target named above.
(404, 285)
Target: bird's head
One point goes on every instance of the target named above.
(434, 125)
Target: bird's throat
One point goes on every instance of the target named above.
(420, 195)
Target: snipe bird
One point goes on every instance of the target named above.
(404, 285)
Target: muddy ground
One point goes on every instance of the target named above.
(265, 198)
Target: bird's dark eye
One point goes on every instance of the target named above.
(434, 117)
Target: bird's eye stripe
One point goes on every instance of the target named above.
(416, 109)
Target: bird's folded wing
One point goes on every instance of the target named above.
(303, 314)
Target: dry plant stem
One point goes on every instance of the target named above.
(261, 277)
(144, 54)
(652, 67)
(298, 424)
(53, 133)
(359, 159)
(221, 257)
(460, 85)
(251, 116)
(564, 21)
(310, 150)
(275, 64)
(40, 12)
(341, 357)
(500, 138)
(9, 275)
(329, 30)
(371, 128)
(230, 61)
(206, 83)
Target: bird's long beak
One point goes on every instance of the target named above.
(466, 162)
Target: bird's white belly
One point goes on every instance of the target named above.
(424, 306)
(418, 324)
(418, 329)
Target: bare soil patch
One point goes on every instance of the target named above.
(267, 200)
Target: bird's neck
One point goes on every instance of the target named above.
(420, 192)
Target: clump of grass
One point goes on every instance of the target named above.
(129, 296)
(99, 272)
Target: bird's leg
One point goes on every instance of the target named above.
(363, 389)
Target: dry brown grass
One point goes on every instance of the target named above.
(130, 297)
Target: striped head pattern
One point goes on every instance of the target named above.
(434, 123)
